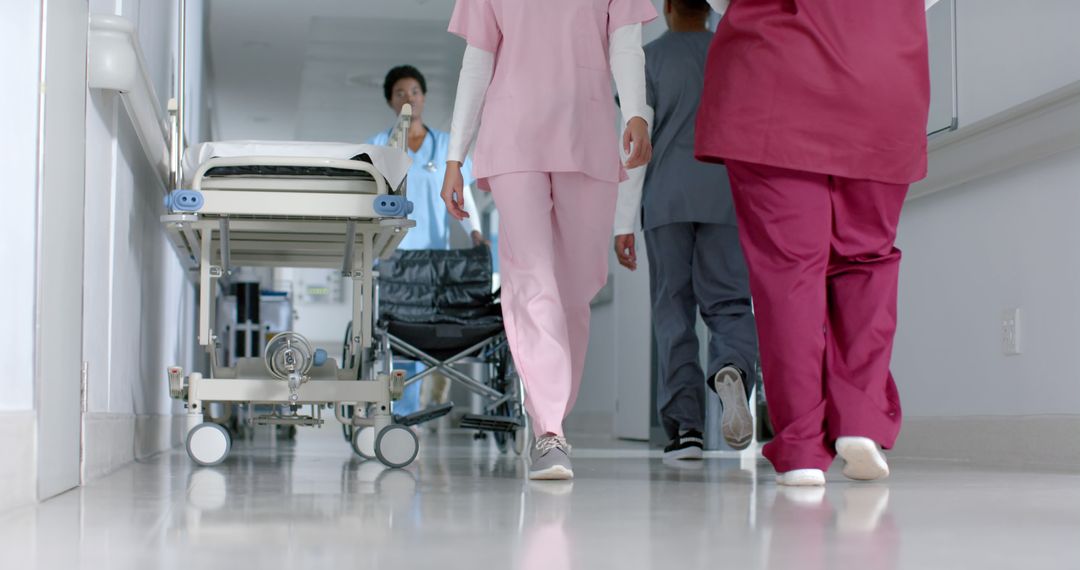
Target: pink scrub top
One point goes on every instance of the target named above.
(838, 87)
(549, 107)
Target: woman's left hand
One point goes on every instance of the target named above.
(453, 191)
(636, 143)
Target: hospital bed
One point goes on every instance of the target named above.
(307, 205)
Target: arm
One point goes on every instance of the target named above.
(628, 207)
(628, 211)
(628, 69)
(477, 69)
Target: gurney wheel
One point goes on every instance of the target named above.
(396, 446)
(363, 442)
(208, 444)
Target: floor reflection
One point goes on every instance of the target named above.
(463, 505)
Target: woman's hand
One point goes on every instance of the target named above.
(625, 251)
(636, 143)
(453, 190)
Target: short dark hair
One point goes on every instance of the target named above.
(691, 7)
(403, 72)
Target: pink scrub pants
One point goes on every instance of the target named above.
(554, 232)
(823, 275)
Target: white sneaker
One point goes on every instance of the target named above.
(802, 478)
(865, 461)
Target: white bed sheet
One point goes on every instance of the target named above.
(391, 162)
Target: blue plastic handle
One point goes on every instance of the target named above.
(184, 201)
(320, 357)
(393, 206)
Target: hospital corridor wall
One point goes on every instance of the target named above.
(992, 229)
(139, 305)
(96, 302)
(20, 32)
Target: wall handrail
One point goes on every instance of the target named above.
(116, 63)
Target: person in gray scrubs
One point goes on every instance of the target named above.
(695, 261)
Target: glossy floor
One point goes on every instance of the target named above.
(310, 504)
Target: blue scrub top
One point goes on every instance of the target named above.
(433, 221)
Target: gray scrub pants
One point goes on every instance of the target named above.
(694, 266)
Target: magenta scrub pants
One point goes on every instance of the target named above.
(554, 232)
(823, 275)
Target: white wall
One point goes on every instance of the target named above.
(139, 306)
(971, 252)
(1009, 52)
(998, 242)
(20, 31)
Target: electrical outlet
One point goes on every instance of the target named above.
(1010, 332)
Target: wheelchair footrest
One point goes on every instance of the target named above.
(490, 423)
(425, 415)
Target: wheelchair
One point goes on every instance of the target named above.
(437, 308)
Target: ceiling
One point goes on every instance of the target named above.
(313, 70)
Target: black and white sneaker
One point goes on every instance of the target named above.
(688, 445)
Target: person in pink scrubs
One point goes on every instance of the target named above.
(536, 77)
(819, 111)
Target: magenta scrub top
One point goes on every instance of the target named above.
(549, 107)
(837, 87)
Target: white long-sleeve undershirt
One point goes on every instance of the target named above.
(628, 206)
(627, 61)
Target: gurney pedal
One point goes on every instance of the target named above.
(490, 423)
(425, 415)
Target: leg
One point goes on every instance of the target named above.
(863, 274)
(584, 215)
(722, 290)
(785, 222)
(532, 307)
(680, 393)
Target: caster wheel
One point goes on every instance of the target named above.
(363, 442)
(396, 446)
(208, 444)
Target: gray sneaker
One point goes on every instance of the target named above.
(550, 459)
(736, 424)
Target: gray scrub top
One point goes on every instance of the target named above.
(678, 188)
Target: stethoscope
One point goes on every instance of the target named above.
(430, 166)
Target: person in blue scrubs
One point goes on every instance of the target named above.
(427, 147)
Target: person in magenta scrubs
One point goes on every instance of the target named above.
(536, 80)
(819, 111)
